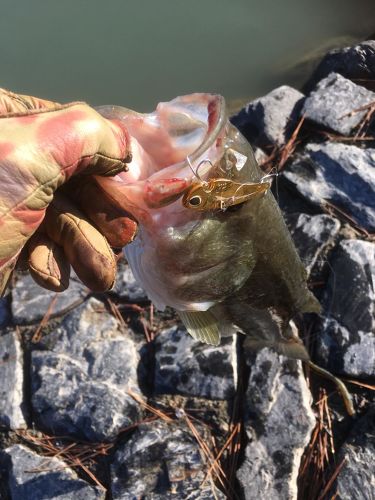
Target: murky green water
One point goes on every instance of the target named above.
(138, 52)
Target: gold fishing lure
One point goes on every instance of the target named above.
(219, 194)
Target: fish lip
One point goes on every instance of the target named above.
(218, 113)
(164, 192)
(217, 117)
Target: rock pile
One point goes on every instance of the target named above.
(157, 407)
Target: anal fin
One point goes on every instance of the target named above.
(202, 325)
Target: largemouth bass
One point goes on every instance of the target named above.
(228, 264)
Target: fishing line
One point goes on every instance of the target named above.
(273, 173)
(277, 185)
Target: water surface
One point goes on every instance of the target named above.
(138, 52)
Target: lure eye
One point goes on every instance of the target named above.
(195, 201)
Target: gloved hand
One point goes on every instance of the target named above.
(50, 206)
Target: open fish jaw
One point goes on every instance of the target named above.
(184, 259)
(201, 262)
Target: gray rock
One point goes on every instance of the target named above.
(346, 344)
(356, 63)
(5, 316)
(311, 235)
(30, 302)
(161, 461)
(278, 424)
(80, 382)
(126, 285)
(341, 174)
(58, 481)
(356, 480)
(11, 377)
(189, 367)
(268, 121)
(332, 102)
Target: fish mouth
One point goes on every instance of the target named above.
(184, 143)
(164, 144)
(186, 127)
(215, 114)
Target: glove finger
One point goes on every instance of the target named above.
(47, 263)
(17, 103)
(6, 271)
(113, 222)
(85, 248)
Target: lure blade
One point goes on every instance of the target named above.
(220, 193)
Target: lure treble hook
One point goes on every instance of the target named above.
(205, 184)
(196, 172)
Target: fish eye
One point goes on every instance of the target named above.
(195, 201)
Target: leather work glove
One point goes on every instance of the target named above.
(50, 206)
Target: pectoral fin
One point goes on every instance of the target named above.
(202, 325)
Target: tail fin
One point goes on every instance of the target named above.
(290, 349)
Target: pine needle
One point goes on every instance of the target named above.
(332, 479)
(361, 384)
(332, 209)
(320, 453)
(115, 311)
(281, 154)
(150, 408)
(38, 332)
(75, 454)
